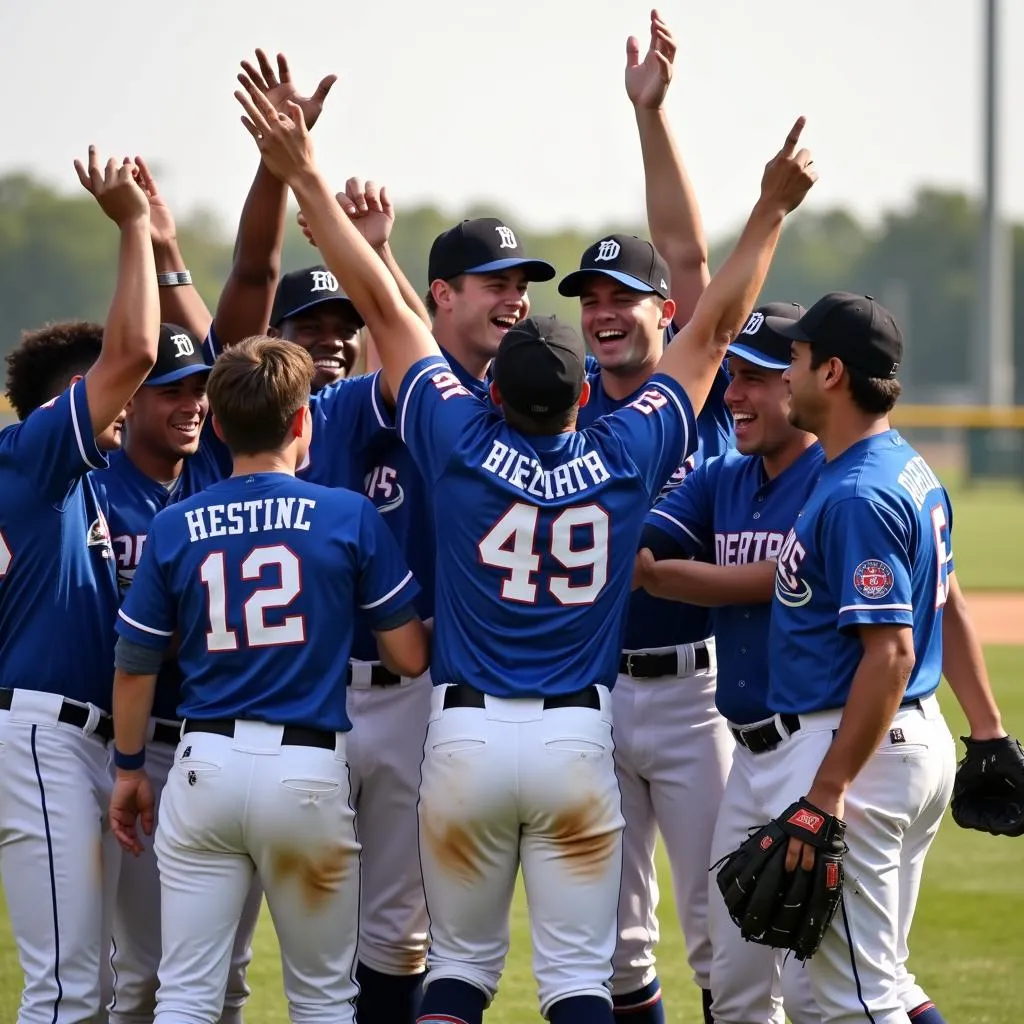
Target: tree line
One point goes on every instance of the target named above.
(58, 258)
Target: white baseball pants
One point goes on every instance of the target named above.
(385, 749)
(893, 812)
(672, 754)
(512, 783)
(234, 806)
(58, 859)
(135, 958)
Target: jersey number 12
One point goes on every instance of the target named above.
(511, 545)
(290, 630)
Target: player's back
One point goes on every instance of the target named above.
(878, 524)
(266, 573)
(57, 574)
(536, 535)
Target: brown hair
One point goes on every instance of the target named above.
(47, 358)
(875, 396)
(255, 389)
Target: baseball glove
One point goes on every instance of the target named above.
(786, 910)
(988, 793)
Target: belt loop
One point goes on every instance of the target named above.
(687, 660)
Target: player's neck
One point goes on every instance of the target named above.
(619, 385)
(848, 426)
(159, 466)
(778, 462)
(471, 359)
(264, 462)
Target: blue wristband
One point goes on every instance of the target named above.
(129, 762)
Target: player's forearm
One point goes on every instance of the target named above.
(132, 326)
(875, 695)
(248, 295)
(673, 215)
(409, 294)
(712, 586)
(132, 706)
(963, 665)
(181, 303)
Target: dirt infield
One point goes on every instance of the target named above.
(998, 617)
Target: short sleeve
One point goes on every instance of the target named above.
(866, 553)
(657, 429)
(686, 514)
(432, 413)
(54, 445)
(386, 584)
(148, 615)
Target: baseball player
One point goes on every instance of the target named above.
(672, 749)
(855, 657)
(260, 575)
(731, 517)
(68, 383)
(170, 452)
(517, 762)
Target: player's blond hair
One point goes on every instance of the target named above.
(255, 389)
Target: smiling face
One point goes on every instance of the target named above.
(166, 419)
(329, 332)
(622, 327)
(758, 399)
(479, 309)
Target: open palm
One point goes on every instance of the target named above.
(279, 88)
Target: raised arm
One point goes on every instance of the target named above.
(696, 354)
(402, 339)
(180, 301)
(673, 216)
(248, 295)
(132, 327)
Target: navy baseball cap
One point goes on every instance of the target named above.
(179, 354)
(760, 342)
(631, 261)
(482, 246)
(539, 368)
(303, 289)
(854, 328)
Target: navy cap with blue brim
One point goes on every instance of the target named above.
(760, 341)
(631, 261)
(483, 245)
(179, 354)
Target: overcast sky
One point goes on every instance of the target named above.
(453, 101)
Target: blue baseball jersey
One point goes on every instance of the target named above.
(261, 576)
(532, 577)
(653, 622)
(728, 512)
(132, 500)
(58, 587)
(871, 547)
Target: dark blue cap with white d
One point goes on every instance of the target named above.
(484, 245)
(760, 342)
(631, 261)
(179, 354)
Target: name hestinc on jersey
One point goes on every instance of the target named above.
(529, 476)
(256, 516)
(918, 480)
(747, 546)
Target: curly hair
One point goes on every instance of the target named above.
(47, 358)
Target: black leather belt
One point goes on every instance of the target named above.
(164, 733)
(760, 738)
(293, 735)
(461, 695)
(70, 714)
(379, 676)
(653, 666)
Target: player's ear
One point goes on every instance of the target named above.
(584, 394)
(495, 394)
(216, 428)
(298, 424)
(668, 311)
(834, 372)
(442, 293)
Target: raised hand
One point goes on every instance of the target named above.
(369, 209)
(647, 82)
(788, 176)
(281, 135)
(161, 221)
(114, 187)
(279, 88)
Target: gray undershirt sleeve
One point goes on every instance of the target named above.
(137, 659)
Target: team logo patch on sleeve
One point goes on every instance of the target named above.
(873, 579)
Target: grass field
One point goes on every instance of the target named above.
(985, 521)
(967, 944)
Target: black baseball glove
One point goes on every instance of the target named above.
(988, 793)
(786, 910)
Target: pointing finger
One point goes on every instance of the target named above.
(789, 147)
